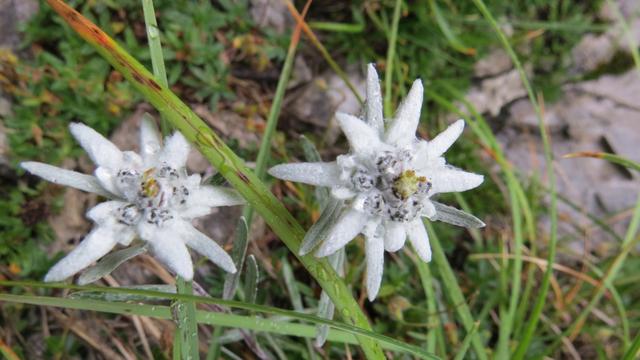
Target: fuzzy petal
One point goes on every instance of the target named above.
(443, 141)
(175, 152)
(394, 236)
(374, 115)
(105, 211)
(450, 179)
(363, 138)
(342, 193)
(429, 209)
(171, 251)
(316, 173)
(405, 123)
(150, 140)
(94, 246)
(66, 177)
(374, 252)
(107, 180)
(345, 229)
(207, 247)
(419, 238)
(214, 196)
(102, 151)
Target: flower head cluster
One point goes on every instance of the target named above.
(387, 181)
(151, 196)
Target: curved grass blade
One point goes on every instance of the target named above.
(454, 293)
(283, 224)
(357, 332)
(616, 159)
(532, 323)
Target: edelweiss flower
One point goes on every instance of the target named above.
(150, 196)
(386, 181)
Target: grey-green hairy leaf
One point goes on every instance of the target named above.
(251, 280)
(326, 307)
(109, 263)
(318, 231)
(238, 254)
(453, 216)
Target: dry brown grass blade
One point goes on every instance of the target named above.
(82, 332)
(542, 263)
(323, 51)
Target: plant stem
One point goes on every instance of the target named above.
(454, 293)
(248, 185)
(391, 51)
(155, 50)
(553, 208)
(187, 322)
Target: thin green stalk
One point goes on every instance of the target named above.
(462, 352)
(187, 322)
(633, 47)
(323, 51)
(155, 50)
(507, 318)
(435, 325)
(632, 351)
(630, 242)
(391, 52)
(553, 211)
(454, 292)
(232, 320)
(616, 159)
(235, 171)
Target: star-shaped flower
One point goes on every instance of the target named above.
(386, 181)
(150, 196)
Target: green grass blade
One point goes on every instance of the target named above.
(632, 352)
(454, 293)
(323, 51)
(443, 24)
(462, 352)
(230, 166)
(532, 323)
(507, 318)
(187, 322)
(391, 54)
(630, 242)
(616, 159)
(155, 50)
(435, 325)
(209, 317)
(294, 296)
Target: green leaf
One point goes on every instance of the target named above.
(238, 254)
(109, 263)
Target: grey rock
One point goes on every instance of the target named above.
(493, 93)
(12, 13)
(327, 94)
(272, 14)
(498, 61)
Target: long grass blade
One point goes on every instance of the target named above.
(454, 293)
(616, 159)
(235, 171)
(391, 54)
(532, 323)
(150, 310)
